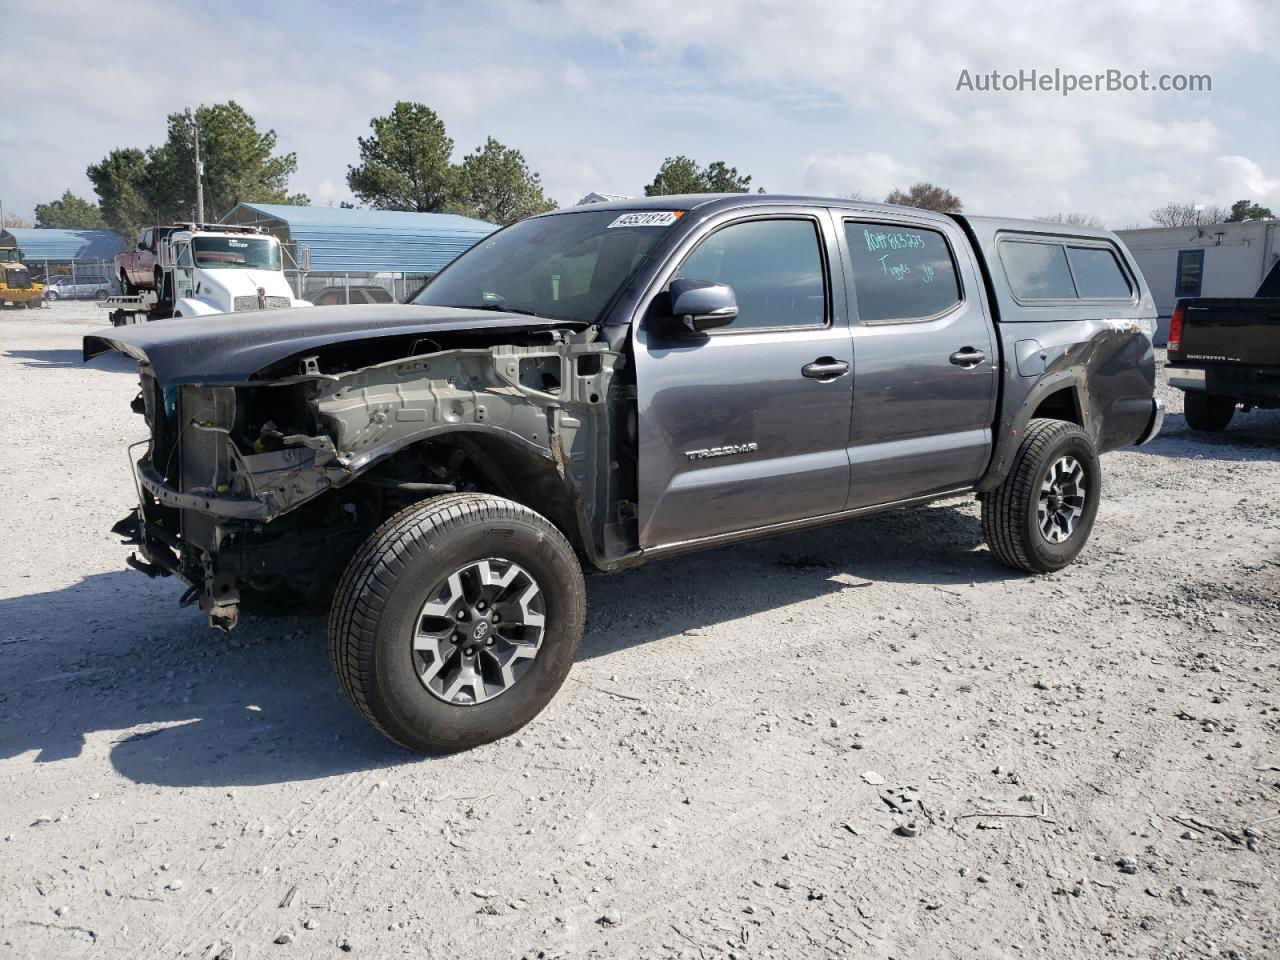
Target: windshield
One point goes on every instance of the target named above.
(568, 266)
(8, 254)
(237, 253)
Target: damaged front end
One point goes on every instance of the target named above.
(256, 494)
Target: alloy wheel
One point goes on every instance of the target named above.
(1062, 500)
(479, 631)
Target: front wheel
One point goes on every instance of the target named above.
(1207, 412)
(457, 621)
(1040, 517)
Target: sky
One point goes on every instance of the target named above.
(828, 98)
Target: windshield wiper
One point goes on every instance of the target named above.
(499, 308)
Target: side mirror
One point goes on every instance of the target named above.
(700, 305)
(142, 245)
(166, 255)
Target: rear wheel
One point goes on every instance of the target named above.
(457, 621)
(1208, 412)
(51, 295)
(1040, 517)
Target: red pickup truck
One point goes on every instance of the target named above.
(138, 269)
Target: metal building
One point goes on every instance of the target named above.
(360, 249)
(1211, 260)
(65, 251)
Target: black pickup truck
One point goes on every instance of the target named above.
(1224, 353)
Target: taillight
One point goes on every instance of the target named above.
(1175, 330)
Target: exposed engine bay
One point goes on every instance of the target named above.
(258, 493)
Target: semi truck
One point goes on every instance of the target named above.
(204, 270)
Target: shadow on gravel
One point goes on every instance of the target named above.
(1251, 436)
(930, 545)
(114, 652)
(69, 359)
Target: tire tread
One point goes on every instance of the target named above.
(1004, 507)
(367, 582)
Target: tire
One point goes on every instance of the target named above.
(101, 295)
(1208, 412)
(1011, 517)
(51, 295)
(400, 575)
(126, 285)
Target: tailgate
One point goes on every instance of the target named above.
(1220, 330)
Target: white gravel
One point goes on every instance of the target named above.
(1084, 764)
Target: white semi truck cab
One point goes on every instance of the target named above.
(225, 270)
(209, 270)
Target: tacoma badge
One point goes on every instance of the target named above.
(728, 450)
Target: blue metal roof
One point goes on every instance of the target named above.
(40, 244)
(370, 241)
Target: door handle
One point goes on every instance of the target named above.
(825, 368)
(967, 357)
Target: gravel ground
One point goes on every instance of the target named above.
(1089, 759)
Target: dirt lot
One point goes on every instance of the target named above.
(1091, 757)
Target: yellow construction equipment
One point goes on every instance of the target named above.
(16, 288)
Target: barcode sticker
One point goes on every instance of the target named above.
(649, 218)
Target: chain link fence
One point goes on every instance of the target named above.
(328, 289)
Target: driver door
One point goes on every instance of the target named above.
(746, 425)
(183, 271)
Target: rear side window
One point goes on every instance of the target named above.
(900, 273)
(1098, 273)
(1037, 271)
(774, 267)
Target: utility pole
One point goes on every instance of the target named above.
(199, 179)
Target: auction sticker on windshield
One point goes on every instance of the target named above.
(653, 218)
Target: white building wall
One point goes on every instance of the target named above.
(1236, 258)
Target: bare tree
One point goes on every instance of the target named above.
(853, 195)
(1072, 219)
(13, 220)
(927, 196)
(1186, 215)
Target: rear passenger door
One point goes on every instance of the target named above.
(925, 364)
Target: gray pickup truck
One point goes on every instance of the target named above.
(614, 383)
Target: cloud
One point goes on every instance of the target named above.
(870, 175)
(804, 95)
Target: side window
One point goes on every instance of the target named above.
(774, 267)
(1190, 273)
(146, 239)
(900, 273)
(1037, 271)
(1098, 273)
